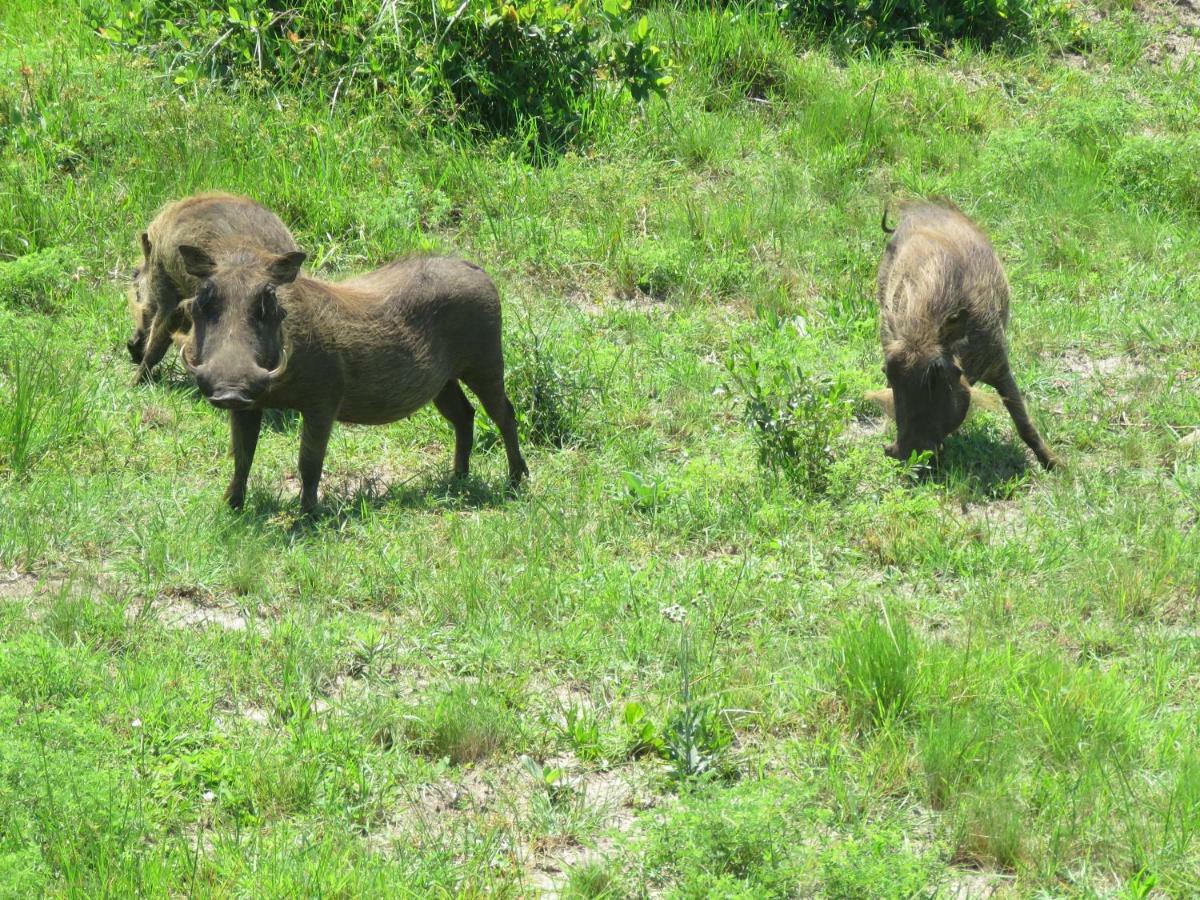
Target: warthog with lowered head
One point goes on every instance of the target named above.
(943, 301)
(162, 281)
(368, 350)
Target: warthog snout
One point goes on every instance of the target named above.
(241, 391)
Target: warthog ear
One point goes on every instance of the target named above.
(954, 327)
(284, 269)
(146, 245)
(885, 399)
(198, 263)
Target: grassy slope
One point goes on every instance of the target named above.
(192, 701)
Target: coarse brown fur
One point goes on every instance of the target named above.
(368, 350)
(161, 282)
(943, 301)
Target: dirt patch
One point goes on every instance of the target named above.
(1177, 31)
(997, 518)
(16, 585)
(369, 484)
(190, 607)
(1081, 364)
(977, 886)
(234, 714)
(866, 427)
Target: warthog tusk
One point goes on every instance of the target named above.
(187, 359)
(278, 371)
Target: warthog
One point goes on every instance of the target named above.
(368, 350)
(162, 281)
(943, 300)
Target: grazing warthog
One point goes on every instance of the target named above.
(369, 350)
(943, 300)
(162, 281)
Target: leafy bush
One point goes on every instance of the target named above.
(506, 68)
(881, 23)
(795, 418)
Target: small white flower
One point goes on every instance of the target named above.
(209, 796)
(136, 723)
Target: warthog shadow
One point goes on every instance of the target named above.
(346, 499)
(984, 465)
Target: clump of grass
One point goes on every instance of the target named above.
(876, 665)
(41, 408)
(1159, 172)
(592, 881)
(468, 723)
(38, 280)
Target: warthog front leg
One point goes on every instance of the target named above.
(156, 344)
(314, 438)
(244, 425)
(1006, 387)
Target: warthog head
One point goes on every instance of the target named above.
(929, 395)
(237, 348)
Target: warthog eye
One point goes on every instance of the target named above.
(203, 304)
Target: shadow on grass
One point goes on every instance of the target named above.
(348, 500)
(981, 465)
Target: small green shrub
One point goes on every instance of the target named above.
(581, 731)
(38, 280)
(547, 390)
(743, 841)
(642, 737)
(696, 740)
(795, 419)
(537, 66)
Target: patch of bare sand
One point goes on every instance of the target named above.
(1079, 363)
(191, 607)
(996, 518)
(17, 586)
(977, 885)
(613, 796)
(1177, 27)
(501, 796)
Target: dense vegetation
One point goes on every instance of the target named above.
(720, 646)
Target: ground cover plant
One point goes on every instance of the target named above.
(698, 655)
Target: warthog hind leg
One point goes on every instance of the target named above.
(454, 405)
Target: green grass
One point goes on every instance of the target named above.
(894, 686)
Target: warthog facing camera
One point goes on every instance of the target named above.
(368, 350)
(943, 301)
